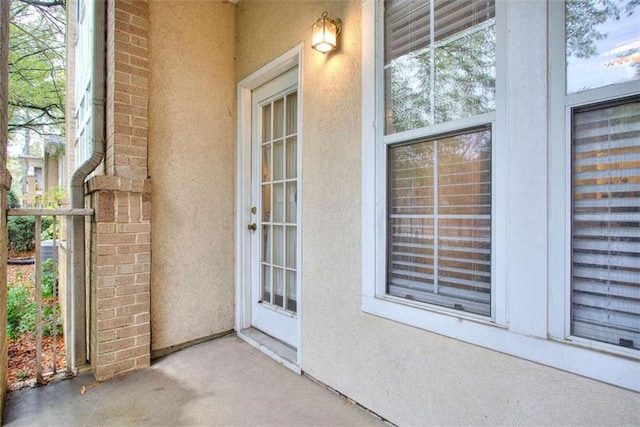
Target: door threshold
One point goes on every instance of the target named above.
(275, 349)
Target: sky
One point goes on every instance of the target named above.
(607, 67)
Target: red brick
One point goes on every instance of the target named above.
(108, 313)
(132, 268)
(133, 352)
(143, 278)
(134, 309)
(107, 371)
(106, 228)
(115, 345)
(132, 331)
(139, 141)
(143, 258)
(132, 289)
(106, 250)
(143, 298)
(116, 302)
(142, 318)
(134, 228)
(143, 339)
(104, 359)
(139, 9)
(117, 322)
(107, 292)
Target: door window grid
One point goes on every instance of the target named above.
(279, 188)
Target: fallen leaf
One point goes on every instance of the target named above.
(21, 352)
(83, 390)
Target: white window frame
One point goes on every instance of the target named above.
(529, 292)
(560, 191)
(375, 298)
(83, 78)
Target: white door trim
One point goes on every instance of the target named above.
(273, 69)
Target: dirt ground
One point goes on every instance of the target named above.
(22, 352)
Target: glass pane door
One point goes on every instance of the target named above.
(279, 202)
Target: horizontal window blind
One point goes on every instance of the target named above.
(439, 221)
(408, 22)
(605, 297)
(439, 61)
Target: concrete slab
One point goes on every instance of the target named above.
(221, 382)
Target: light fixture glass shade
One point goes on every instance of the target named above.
(324, 34)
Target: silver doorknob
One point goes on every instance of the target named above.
(252, 227)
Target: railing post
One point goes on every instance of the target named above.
(38, 291)
(78, 296)
(68, 321)
(75, 316)
(54, 291)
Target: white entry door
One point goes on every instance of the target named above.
(275, 211)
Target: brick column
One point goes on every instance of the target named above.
(127, 88)
(5, 185)
(120, 339)
(120, 269)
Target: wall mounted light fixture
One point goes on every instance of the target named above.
(325, 33)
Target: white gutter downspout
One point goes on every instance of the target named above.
(78, 301)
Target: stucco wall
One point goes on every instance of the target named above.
(407, 375)
(191, 164)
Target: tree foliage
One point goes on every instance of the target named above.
(436, 84)
(583, 19)
(37, 66)
(582, 22)
(449, 80)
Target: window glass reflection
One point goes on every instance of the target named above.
(602, 43)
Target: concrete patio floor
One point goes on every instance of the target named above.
(221, 382)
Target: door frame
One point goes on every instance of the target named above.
(285, 62)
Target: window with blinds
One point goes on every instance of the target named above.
(439, 221)
(408, 22)
(439, 67)
(439, 61)
(605, 297)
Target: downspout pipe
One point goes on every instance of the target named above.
(78, 300)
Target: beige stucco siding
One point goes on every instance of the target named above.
(407, 375)
(191, 164)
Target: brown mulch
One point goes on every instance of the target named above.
(22, 358)
(20, 255)
(12, 270)
(22, 352)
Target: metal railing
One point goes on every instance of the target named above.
(38, 214)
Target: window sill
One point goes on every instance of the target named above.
(425, 309)
(601, 347)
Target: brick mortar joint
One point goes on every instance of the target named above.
(117, 183)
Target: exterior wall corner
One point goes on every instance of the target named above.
(120, 231)
(5, 184)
